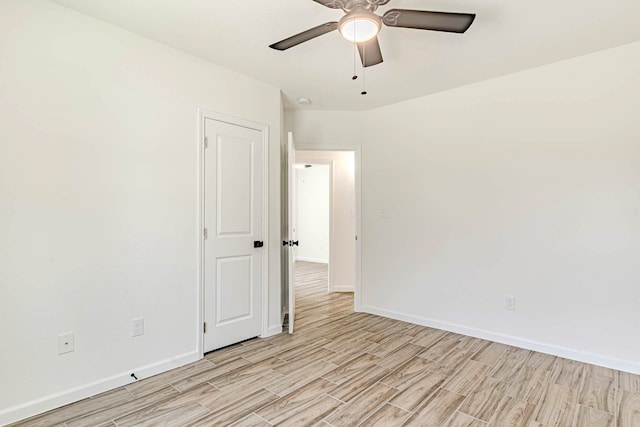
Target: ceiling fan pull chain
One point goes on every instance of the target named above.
(364, 61)
(355, 49)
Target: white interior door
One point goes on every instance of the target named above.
(291, 213)
(233, 163)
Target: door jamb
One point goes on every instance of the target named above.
(356, 148)
(204, 114)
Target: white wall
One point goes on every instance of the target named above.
(342, 264)
(98, 201)
(525, 185)
(313, 213)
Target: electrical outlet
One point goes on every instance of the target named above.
(510, 303)
(384, 214)
(137, 327)
(66, 343)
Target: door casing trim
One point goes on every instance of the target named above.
(202, 115)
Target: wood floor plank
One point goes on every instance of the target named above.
(589, 417)
(98, 403)
(387, 416)
(467, 378)
(509, 364)
(436, 410)
(188, 398)
(361, 381)
(284, 407)
(512, 412)
(343, 372)
(530, 384)
(490, 353)
(103, 416)
(225, 354)
(558, 406)
(598, 393)
(452, 361)
(303, 362)
(299, 378)
(228, 414)
(569, 373)
(312, 414)
(463, 420)
(358, 409)
(628, 413)
(406, 374)
(209, 374)
(248, 371)
(541, 361)
(630, 382)
(416, 393)
(252, 420)
(483, 401)
(391, 345)
(442, 347)
(472, 343)
(177, 417)
(427, 337)
(399, 356)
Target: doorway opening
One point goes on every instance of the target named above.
(325, 220)
(342, 254)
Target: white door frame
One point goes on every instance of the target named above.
(204, 114)
(357, 296)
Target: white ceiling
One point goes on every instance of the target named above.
(507, 36)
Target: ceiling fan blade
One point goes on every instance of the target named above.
(370, 52)
(333, 4)
(426, 20)
(305, 36)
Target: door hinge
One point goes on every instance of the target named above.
(356, 237)
(206, 233)
(206, 142)
(204, 328)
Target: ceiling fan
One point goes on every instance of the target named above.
(361, 25)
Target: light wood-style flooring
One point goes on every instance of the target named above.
(342, 368)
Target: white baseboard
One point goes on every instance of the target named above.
(341, 288)
(308, 259)
(47, 403)
(568, 353)
(273, 330)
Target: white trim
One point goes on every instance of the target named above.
(199, 238)
(568, 353)
(56, 400)
(310, 259)
(264, 130)
(356, 148)
(342, 288)
(273, 330)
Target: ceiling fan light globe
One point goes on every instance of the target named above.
(359, 27)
